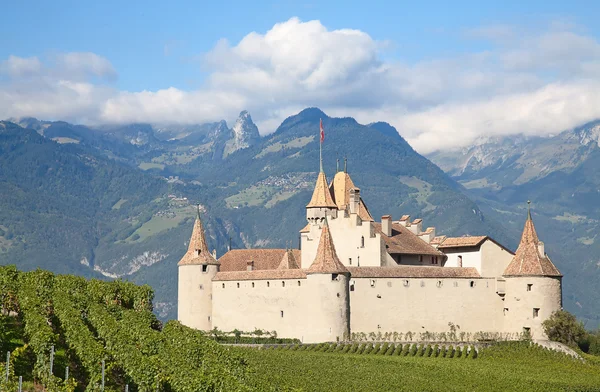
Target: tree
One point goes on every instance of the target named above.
(563, 327)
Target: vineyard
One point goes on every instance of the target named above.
(507, 366)
(107, 336)
(65, 333)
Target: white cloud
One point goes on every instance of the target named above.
(526, 81)
(16, 66)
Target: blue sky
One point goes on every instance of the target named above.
(160, 57)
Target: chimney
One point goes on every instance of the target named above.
(354, 200)
(541, 249)
(250, 265)
(416, 227)
(404, 220)
(386, 225)
(229, 245)
(428, 235)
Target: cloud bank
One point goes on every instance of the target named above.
(528, 82)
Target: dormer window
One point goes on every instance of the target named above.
(198, 251)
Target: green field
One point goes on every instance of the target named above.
(252, 196)
(151, 165)
(506, 367)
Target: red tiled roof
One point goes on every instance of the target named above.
(528, 261)
(326, 261)
(413, 272)
(403, 241)
(260, 275)
(457, 242)
(264, 259)
(197, 252)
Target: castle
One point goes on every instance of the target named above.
(353, 274)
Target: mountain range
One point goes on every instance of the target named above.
(117, 201)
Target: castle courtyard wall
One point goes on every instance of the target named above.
(425, 304)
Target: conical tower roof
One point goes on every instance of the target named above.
(326, 261)
(197, 252)
(528, 260)
(321, 195)
(288, 261)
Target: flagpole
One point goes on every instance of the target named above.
(320, 147)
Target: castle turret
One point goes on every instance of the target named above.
(533, 286)
(196, 271)
(329, 279)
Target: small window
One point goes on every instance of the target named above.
(238, 285)
(526, 330)
(349, 260)
(372, 282)
(389, 284)
(205, 268)
(420, 258)
(439, 283)
(208, 318)
(223, 285)
(406, 283)
(505, 311)
(352, 287)
(299, 283)
(455, 284)
(472, 283)
(536, 312)
(252, 284)
(198, 251)
(362, 242)
(338, 295)
(334, 277)
(268, 284)
(201, 287)
(282, 284)
(529, 287)
(422, 283)
(282, 313)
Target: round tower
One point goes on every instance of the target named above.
(533, 286)
(196, 271)
(328, 296)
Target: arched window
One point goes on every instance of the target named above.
(362, 241)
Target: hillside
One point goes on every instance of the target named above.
(560, 175)
(123, 194)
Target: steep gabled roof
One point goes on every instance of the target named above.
(404, 241)
(264, 259)
(528, 261)
(321, 195)
(363, 212)
(288, 261)
(340, 189)
(197, 252)
(326, 261)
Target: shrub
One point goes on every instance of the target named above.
(563, 327)
(458, 352)
(413, 350)
(450, 353)
(428, 351)
(443, 352)
(397, 349)
(436, 351)
(376, 349)
(383, 349)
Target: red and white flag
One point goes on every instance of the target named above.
(322, 130)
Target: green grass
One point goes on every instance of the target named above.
(508, 367)
(253, 196)
(161, 223)
(119, 204)
(151, 165)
